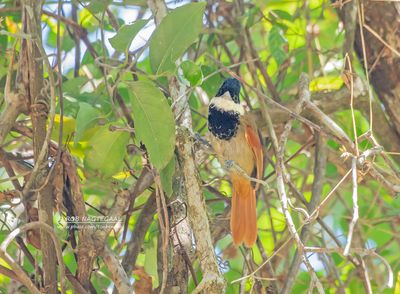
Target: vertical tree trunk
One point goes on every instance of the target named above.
(381, 32)
(213, 280)
(32, 80)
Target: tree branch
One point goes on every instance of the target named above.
(142, 224)
(31, 69)
(304, 97)
(118, 274)
(213, 281)
(319, 176)
(50, 232)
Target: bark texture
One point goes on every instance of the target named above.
(31, 71)
(381, 32)
(213, 281)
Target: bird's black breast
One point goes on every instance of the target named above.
(222, 124)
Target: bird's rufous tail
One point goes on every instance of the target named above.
(243, 211)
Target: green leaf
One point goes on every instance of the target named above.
(107, 152)
(250, 16)
(192, 72)
(150, 262)
(283, 14)
(3, 43)
(67, 44)
(154, 122)
(166, 175)
(213, 82)
(135, 2)
(87, 117)
(176, 32)
(73, 86)
(278, 220)
(380, 233)
(125, 35)
(87, 57)
(275, 43)
(331, 170)
(97, 6)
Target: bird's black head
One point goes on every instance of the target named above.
(232, 86)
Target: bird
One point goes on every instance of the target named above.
(234, 138)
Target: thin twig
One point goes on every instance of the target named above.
(376, 35)
(355, 206)
(304, 96)
(319, 176)
(163, 220)
(49, 230)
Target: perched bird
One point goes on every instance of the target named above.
(234, 138)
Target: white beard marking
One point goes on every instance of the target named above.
(226, 103)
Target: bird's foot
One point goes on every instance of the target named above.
(200, 139)
(228, 164)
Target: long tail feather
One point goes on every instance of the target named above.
(243, 214)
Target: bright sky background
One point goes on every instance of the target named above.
(128, 14)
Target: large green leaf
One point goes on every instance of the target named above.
(107, 151)
(154, 122)
(87, 117)
(125, 35)
(176, 32)
(73, 86)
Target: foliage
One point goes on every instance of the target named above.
(117, 119)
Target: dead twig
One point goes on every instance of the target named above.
(49, 230)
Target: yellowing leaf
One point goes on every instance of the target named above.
(5, 264)
(107, 152)
(11, 26)
(122, 175)
(68, 127)
(326, 83)
(397, 287)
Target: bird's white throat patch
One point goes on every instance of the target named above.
(225, 103)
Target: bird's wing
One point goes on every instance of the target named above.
(254, 142)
